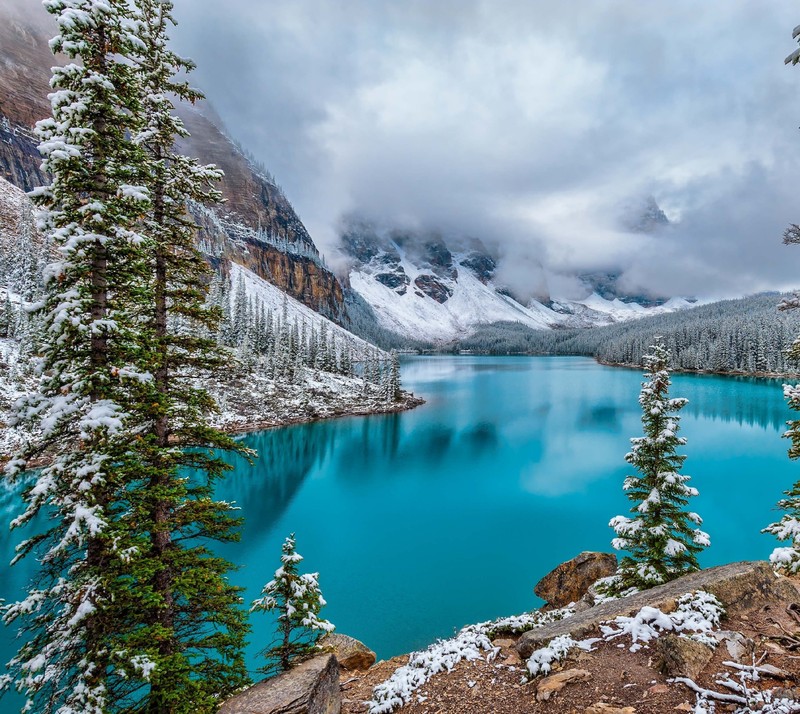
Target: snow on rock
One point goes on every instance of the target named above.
(472, 303)
(597, 311)
(698, 614)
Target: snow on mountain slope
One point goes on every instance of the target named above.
(424, 286)
(597, 311)
(419, 316)
(274, 299)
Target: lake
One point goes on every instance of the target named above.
(424, 521)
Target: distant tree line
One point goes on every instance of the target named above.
(745, 336)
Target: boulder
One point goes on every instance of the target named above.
(681, 657)
(570, 581)
(739, 586)
(350, 653)
(549, 686)
(311, 687)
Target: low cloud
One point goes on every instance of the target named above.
(520, 123)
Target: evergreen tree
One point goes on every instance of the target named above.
(660, 538)
(192, 626)
(787, 558)
(124, 616)
(393, 387)
(69, 660)
(298, 601)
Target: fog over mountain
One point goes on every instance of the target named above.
(528, 124)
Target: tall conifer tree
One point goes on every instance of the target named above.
(788, 527)
(130, 611)
(192, 626)
(91, 382)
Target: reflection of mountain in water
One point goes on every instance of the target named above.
(744, 400)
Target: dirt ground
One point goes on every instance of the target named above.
(616, 676)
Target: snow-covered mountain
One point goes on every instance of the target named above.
(422, 286)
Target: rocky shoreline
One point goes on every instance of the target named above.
(639, 654)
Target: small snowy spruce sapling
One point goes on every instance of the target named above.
(787, 558)
(297, 600)
(660, 537)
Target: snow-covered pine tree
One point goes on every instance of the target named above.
(68, 660)
(182, 592)
(298, 601)
(661, 538)
(393, 387)
(241, 316)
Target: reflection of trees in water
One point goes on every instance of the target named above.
(744, 400)
(480, 438)
(366, 446)
(285, 457)
(600, 417)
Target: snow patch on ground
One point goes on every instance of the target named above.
(469, 644)
(252, 401)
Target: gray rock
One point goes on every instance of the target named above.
(681, 657)
(311, 687)
(738, 586)
(739, 647)
(570, 581)
(350, 653)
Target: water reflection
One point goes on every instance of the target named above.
(731, 399)
(399, 511)
(601, 417)
(285, 458)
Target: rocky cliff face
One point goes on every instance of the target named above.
(256, 225)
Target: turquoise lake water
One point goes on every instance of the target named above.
(424, 521)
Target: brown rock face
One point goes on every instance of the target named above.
(311, 687)
(570, 581)
(681, 657)
(253, 203)
(433, 288)
(351, 654)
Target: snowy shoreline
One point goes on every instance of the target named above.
(711, 372)
(409, 402)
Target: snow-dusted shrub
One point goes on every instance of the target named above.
(298, 601)
(661, 537)
(696, 615)
(469, 644)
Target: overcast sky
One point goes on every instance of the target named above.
(528, 123)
